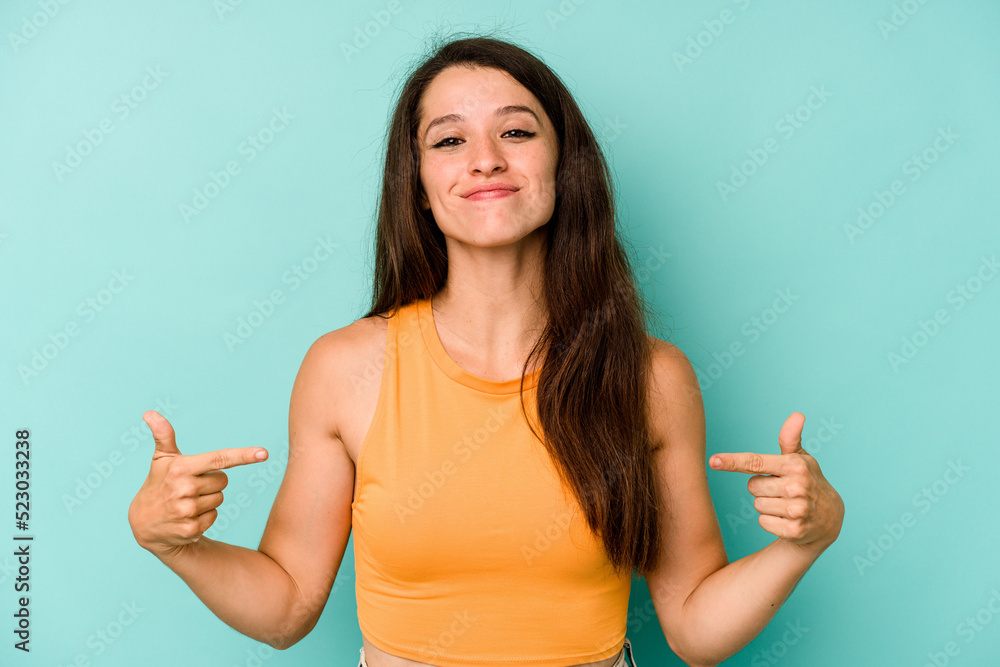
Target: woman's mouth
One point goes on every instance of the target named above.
(490, 194)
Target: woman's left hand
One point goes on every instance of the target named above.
(795, 501)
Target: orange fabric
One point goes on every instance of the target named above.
(467, 548)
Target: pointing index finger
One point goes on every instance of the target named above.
(749, 462)
(226, 458)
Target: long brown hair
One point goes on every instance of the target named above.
(592, 390)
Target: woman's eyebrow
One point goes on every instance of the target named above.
(501, 111)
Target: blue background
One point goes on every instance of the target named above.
(847, 96)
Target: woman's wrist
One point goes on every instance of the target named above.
(809, 552)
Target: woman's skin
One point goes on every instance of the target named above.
(487, 318)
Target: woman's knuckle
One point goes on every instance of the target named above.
(795, 489)
(182, 508)
(175, 469)
(190, 528)
(209, 517)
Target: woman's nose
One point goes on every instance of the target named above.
(486, 157)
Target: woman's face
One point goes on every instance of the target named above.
(479, 126)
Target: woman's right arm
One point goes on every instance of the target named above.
(276, 593)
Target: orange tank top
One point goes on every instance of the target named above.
(468, 550)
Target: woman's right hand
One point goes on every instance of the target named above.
(176, 504)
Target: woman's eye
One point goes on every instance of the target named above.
(518, 134)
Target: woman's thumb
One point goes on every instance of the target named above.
(163, 432)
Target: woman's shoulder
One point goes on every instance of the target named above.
(336, 371)
(677, 412)
(672, 373)
(354, 343)
(666, 352)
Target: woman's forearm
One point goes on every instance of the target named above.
(246, 589)
(733, 604)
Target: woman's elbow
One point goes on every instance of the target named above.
(689, 657)
(290, 633)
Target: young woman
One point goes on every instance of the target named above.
(504, 438)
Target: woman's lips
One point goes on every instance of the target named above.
(490, 194)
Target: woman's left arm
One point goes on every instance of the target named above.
(708, 608)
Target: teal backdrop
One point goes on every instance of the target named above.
(810, 195)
